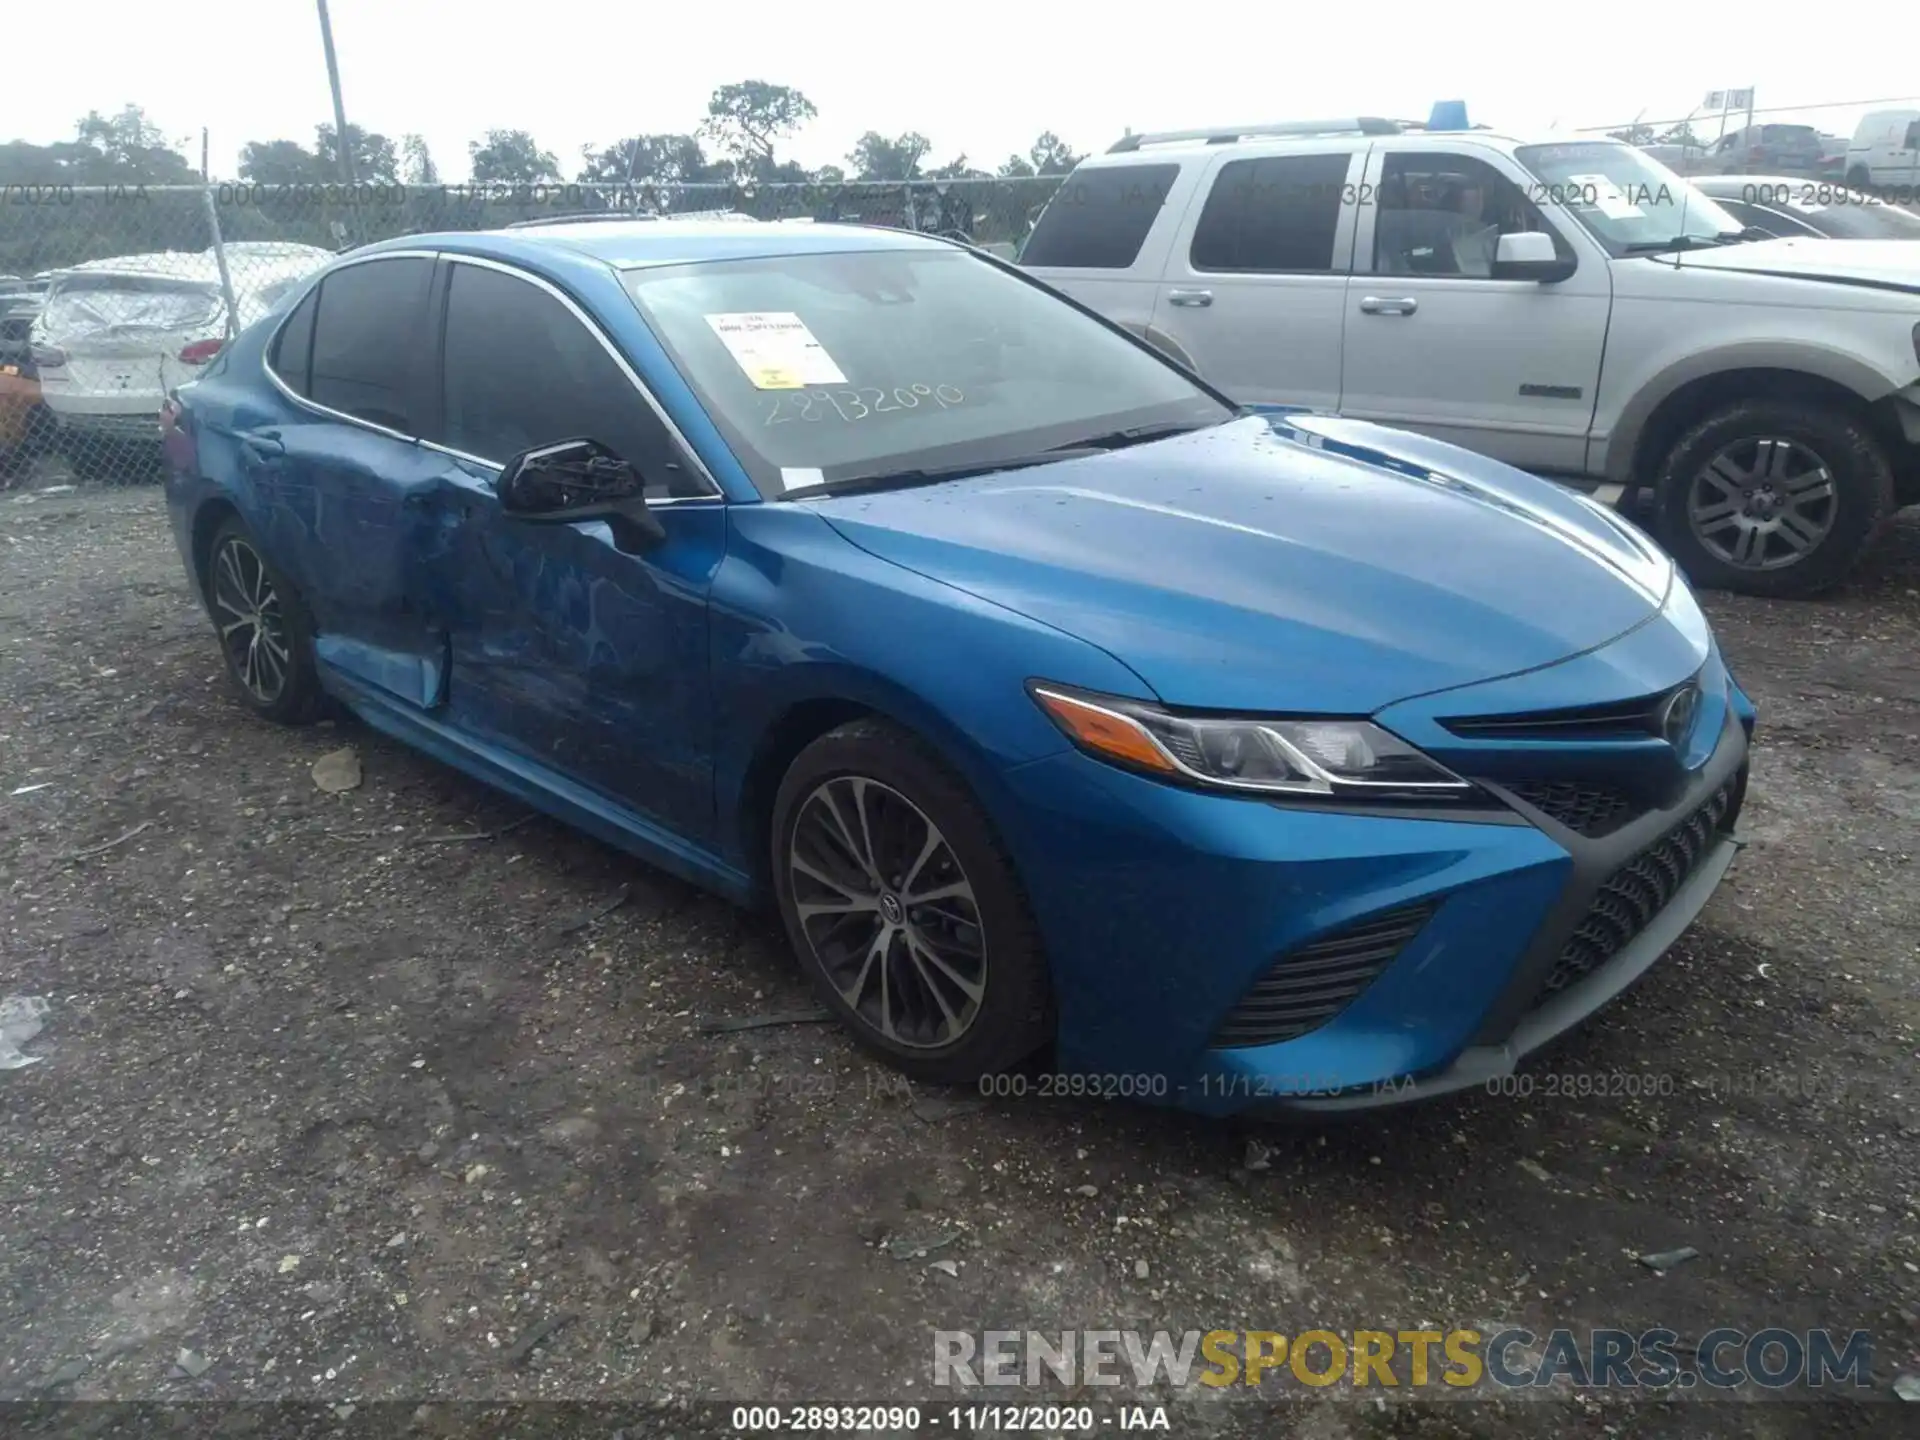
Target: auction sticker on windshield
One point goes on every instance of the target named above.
(775, 349)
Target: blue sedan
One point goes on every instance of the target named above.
(1070, 715)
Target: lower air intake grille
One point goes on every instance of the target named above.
(1308, 987)
(1584, 808)
(1642, 888)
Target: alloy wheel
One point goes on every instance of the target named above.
(1762, 503)
(888, 911)
(247, 611)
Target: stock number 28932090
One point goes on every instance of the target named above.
(853, 406)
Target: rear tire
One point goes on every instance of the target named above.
(1859, 178)
(264, 628)
(904, 910)
(1774, 498)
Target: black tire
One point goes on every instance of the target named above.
(1012, 1016)
(1859, 178)
(1861, 497)
(298, 698)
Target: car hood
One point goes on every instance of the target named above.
(1882, 264)
(1288, 562)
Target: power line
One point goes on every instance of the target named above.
(1771, 110)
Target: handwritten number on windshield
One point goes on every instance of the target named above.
(853, 406)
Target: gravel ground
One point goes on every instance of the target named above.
(349, 1106)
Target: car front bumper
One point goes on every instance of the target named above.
(1164, 908)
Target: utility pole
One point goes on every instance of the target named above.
(204, 177)
(339, 109)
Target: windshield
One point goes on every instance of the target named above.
(1627, 199)
(865, 365)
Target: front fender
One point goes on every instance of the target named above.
(1847, 370)
(800, 614)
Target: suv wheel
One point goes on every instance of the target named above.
(904, 910)
(1859, 178)
(1770, 497)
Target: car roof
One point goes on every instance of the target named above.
(633, 244)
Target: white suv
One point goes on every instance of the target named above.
(1573, 308)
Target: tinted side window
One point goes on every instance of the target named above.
(1099, 219)
(1275, 215)
(1911, 141)
(293, 346)
(366, 341)
(520, 371)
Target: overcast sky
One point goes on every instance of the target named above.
(982, 77)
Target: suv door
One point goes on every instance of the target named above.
(1254, 293)
(333, 478)
(1435, 343)
(575, 654)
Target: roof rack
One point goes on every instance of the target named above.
(1227, 134)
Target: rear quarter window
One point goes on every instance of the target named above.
(1099, 219)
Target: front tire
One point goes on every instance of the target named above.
(904, 910)
(1859, 178)
(1774, 498)
(265, 632)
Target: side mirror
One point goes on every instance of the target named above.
(1529, 255)
(579, 480)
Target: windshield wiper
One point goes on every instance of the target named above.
(1695, 242)
(922, 475)
(1136, 435)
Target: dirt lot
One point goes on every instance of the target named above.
(347, 1106)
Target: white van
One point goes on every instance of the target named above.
(1885, 151)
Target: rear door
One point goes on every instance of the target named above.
(1434, 343)
(1103, 237)
(336, 482)
(1254, 290)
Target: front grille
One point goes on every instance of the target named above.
(1642, 888)
(1583, 807)
(1619, 719)
(1308, 987)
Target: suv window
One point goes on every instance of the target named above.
(1099, 219)
(292, 353)
(522, 371)
(366, 337)
(1444, 214)
(1912, 140)
(1273, 215)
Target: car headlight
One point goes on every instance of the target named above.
(1328, 759)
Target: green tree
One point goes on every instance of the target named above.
(957, 169)
(1050, 155)
(282, 162)
(511, 157)
(417, 167)
(746, 118)
(132, 148)
(375, 161)
(651, 160)
(875, 157)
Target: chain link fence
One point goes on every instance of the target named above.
(111, 297)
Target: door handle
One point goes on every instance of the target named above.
(1375, 305)
(1192, 299)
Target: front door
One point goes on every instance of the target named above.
(574, 654)
(1433, 343)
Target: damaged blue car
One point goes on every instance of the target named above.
(1079, 723)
